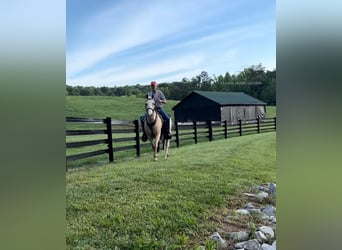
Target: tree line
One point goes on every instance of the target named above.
(254, 81)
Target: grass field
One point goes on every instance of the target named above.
(136, 203)
(118, 107)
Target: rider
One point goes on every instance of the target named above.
(159, 99)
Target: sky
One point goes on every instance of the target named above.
(128, 42)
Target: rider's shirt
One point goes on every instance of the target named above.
(157, 95)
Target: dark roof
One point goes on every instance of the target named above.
(227, 98)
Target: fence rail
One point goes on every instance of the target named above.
(129, 132)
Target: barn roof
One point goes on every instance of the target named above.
(226, 98)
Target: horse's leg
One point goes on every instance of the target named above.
(154, 148)
(156, 144)
(166, 146)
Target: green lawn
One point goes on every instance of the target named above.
(118, 107)
(136, 203)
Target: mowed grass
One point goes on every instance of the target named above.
(136, 203)
(119, 107)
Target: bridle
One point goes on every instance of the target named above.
(152, 108)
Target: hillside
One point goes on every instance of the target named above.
(141, 204)
(118, 107)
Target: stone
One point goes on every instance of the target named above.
(248, 245)
(239, 236)
(272, 188)
(268, 232)
(250, 195)
(270, 210)
(242, 211)
(217, 237)
(261, 188)
(267, 247)
(273, 219)
(262, 195)
(249, 205)
(260, 236)
(255, 211)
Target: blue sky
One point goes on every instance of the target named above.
(128, 42)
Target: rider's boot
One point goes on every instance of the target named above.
(167, 129)
(144, 137)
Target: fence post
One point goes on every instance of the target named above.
(137, 138)
(177, 134)
(225, 129)
(210, 130)
(275, 123)
(195, 131)
(108, 121)
(258, 120)
(240, 126)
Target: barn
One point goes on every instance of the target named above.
(218, 106)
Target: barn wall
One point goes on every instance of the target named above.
(236, 113)
(260, 112)
(198, 114)
(198, 108)
(196, 101)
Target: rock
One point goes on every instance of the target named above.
(255, 211)
(270, 210)
(268, 232)
(272, 219)
(261, 188)
(260, 236)
(267, 247)
(262, 195)
(242, 211)
(217, 237)
(250, 195)
(264, 237)
(272, 188)
(249, 205)
(239, 236)
(248, 245)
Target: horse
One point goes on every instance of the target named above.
(153, 129)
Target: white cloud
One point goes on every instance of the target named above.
(143, 73)
(161, 39)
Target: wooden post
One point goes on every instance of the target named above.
(240, 126)
(225, 129)
(258, 119)
(137, 137)
(195, 131)
(210, 130)
(108, 121)
(275, 123)
(177, 134)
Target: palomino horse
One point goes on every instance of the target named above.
(153, 129)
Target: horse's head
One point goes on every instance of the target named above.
(150, 106)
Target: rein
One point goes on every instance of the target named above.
(154, 122)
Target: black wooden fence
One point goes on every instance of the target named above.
(130, 131)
